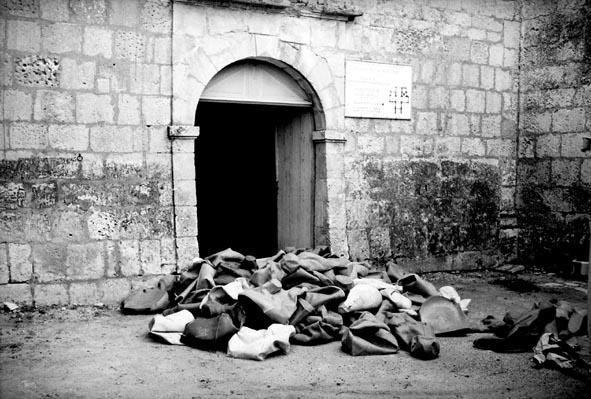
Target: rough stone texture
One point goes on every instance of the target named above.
(54, 106)
(37, 71)
(61, 38)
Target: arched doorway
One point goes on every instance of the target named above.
(254, 161)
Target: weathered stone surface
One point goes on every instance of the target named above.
(37, 71)
(18, 105)
(156, 16)
(21, 268)
(23, 36)
(21, 8)
(156, 110)
(4, 268)
(55, 10)
(28, 135)
(51, 294)
(125, 12)
(61, 38)
(129, 258)
(129, 46)
(114, 290)
(85, 261)
(68, 226)
(150, 257)
(77, 76)
(93, 108)
(89, 11)
(54, 106)
(98, 41)
(129, 110)
(49, 262)
(69, 137)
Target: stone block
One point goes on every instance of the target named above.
(55, 10)
(500, 148)
(479, 52)
(103, 85)
(427, 123)
(487, 77)
(98, 41)
(475, 100)
(69, 137)
(473, 147)
(114, 290)
(49, 262)
(168, 251)
(454, 74)
(458, 100)
(538, 122)
(4, 269)
(68, 226)
(447, 146)
(511, 34)
(18, 105)
(370, 144)
(50, 294)
(510, 58)
(37, 71)
(13, 195)
(358, 244)
(85, 261)
(493, 102)
(20, 8)
(156, 110)
(184, 193)
(586, 172)
(571, 144)
(85, 293)
(420, 96)
(125, 12)
(476, 34)
(150, 257)
(23, 36)
(6, 65)
(439, 97)
(18, 293)
(186, 221)
(92, 166)
(496, 55)
(412, 145)
(503, 80)
(129, 46)
(459, 48)
(569, 120)
(61, 38)
(565, 172)
(28, 135)
(54, 106)
(295, 30)
(427, 72)
(526, 147)
(491, 125)
(471, 75)
(129, 257)
(548, 145)
(89, 11)
(94, 108)
(129, 110)
(124, 166)
(162, 50)
(77, 76)
(157, 16)
(102, 225)
(187, 250)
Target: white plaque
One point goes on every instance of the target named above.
(374, 90)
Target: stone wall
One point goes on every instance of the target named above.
(85, 168)
(436, 191)
(554, 175)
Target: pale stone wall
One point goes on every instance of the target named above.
(85, 168)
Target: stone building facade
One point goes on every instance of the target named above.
(99, 139)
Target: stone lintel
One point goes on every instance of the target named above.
(183, 132)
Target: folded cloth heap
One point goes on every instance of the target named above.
(253, 308)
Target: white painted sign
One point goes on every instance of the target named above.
(374, 90)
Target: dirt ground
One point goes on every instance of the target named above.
(96, 352)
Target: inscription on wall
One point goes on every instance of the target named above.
(375, 90)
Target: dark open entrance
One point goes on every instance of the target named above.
(237, 176)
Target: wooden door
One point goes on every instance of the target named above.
(295, 180)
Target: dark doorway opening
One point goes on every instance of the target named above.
(236, 178)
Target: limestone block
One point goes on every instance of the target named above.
(49, 262)
(129, 257)
(21, 268)
(20, 8)
(427, 71)
(50, 294)
(494, 37)
(168, 250)
(85, 261)
(526, 147)
(493, 102)
(187, 250)
(295, 30)
(358, 245)
(420, 96)
(439, 98)
(586, 172)
(510, 58)
(18, 105)
(4, 269)
(98, 41)
(69, 137)
(84, 293)
(487, 77)
(491, 125)
(268, 25)
(458, 18)
(569, 120)
(6, 66)
(23, 36)
(479, 52)
(471, 75)
(55, 10)
(54, 106)
(548, 145)
(496, 55)
(184, 193)
(447, 146)
(411, 145)
(473, 147)
(166, 80)
(511, 34)
(103, 85)
(37, 71)
(150, 257)
(476, 34)
(157, 16)
(68, 226)
(500, 148)
(162, 50)
(129, 46)
(18, 293)
(93, 108)
(124, 166)
(159, 141)
(102, 225)
(113, 291)
(129, 110)
(454, 74)
(571, 145)
(78, 76)
(125, 12)
(475, 100)
(427, 123)
(61, 38)
(156, 110)
(459, 49)
(13, 195)
(392, 145)
(28, 135)
(92, 165)
(565, 172)
(89, 11)
(458, 100)
(379, 243)
(503, 80)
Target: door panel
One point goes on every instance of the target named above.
(295, 177)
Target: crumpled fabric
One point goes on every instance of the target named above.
(259, 344)
(414, 336)
(361, 297)
(368, 336)
(170, 328)
(209, 333)
(551, 351)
